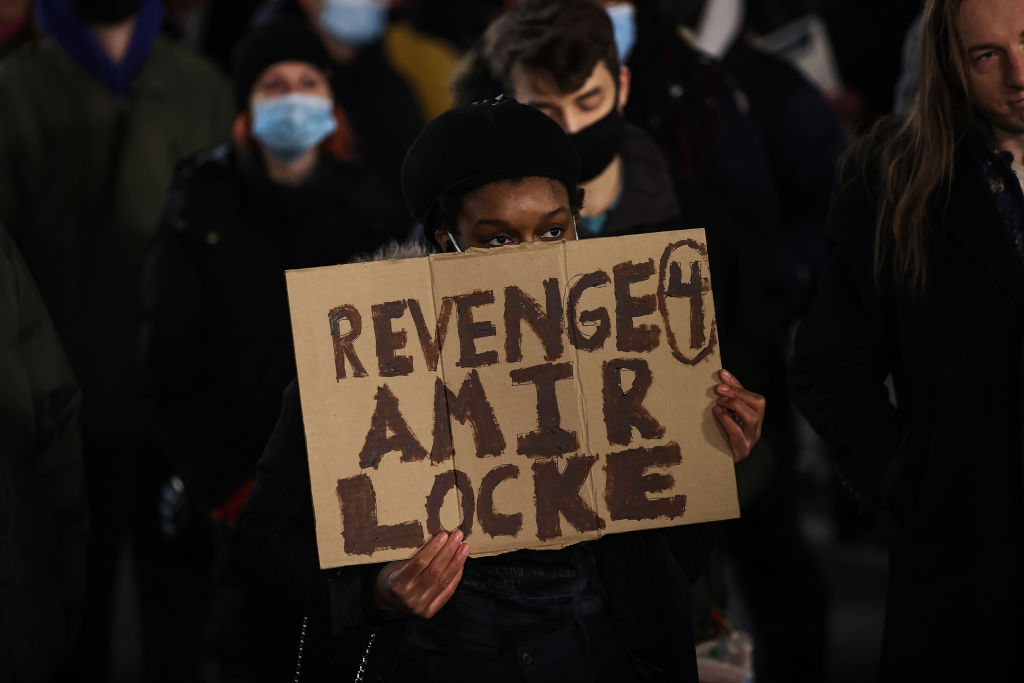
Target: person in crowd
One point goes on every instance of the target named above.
(617, 609)
(94, 117)
(216, 340)
(380, 105)
(564, 59)
(45, 510)
(802, 139)
(674, 94)
(695, 114)
(16, 26)
(926, 278)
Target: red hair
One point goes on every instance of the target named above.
(340, 144)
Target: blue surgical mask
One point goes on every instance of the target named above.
(354, 22)
(291, 125)
(623, 18)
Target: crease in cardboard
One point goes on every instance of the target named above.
(444, 379)
(581, 408)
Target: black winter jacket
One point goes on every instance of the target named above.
(647, 574)
(216, 342)
(946, 458)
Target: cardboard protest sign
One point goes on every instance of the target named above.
(534, 396)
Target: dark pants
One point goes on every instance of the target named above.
(783, 586)
(588, 651)
(253, 629)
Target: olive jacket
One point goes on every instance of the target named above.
(83, 180)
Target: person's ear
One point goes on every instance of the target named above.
(625, 77)
(443, 239)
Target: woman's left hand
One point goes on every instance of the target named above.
(741, 413)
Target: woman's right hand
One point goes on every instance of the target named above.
(422, 584)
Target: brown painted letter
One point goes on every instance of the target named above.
(431, 343)
(493, 522)
(549, 439)
(560, 492)
(521, 306)
(693, 290)
(624, 409)
(387, 416)
(471, 404)
(343, 342)
(443, 483)
(389, 341)
(471, 330)
(627, 486)
(362, 534)
(599, 316)
(627, 307)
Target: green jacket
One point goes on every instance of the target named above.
(43, 507)
(83, 180)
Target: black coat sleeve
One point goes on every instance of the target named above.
(844, 352)
(278, 526)
(279, 529)
(182, 365)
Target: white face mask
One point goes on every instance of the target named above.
(354, 22)
(290, 125)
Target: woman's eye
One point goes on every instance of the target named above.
(553, 233)
(499, 241)
(985, 56)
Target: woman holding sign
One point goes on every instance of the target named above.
(616, 609)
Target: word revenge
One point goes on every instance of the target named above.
(547, 322)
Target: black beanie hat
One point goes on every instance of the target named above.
(470, 146)
(280, 40)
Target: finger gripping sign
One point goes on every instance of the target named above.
(533, 396)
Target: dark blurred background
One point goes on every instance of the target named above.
(850, 53)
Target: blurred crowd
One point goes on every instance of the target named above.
(163, 162)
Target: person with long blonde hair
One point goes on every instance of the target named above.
(925, 287)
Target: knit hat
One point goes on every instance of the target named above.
(470, 146)
(280, 40)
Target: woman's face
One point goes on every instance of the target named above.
(285, 78)
(513, 211)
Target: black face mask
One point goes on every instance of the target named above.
(597, 144)
(106, 11)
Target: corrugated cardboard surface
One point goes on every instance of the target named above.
(665, 273)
